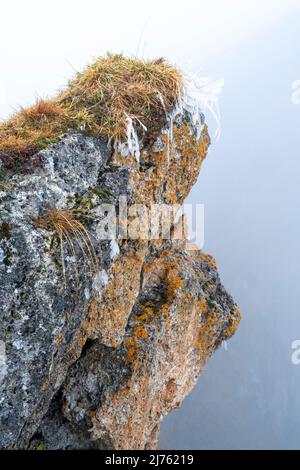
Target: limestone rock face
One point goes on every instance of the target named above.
(100, 338)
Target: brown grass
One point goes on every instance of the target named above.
(29, 126)
(115, 86)
(68, 230)
(96, 102)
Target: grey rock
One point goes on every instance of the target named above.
(63, 374)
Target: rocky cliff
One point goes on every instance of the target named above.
(101, 336)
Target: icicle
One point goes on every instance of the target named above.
(199, 97)
(142, 125)
(133, 144)
(170, 120)
(132, 139)
(224, 344)
(161, 99)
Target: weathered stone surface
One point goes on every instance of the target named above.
(96, 359)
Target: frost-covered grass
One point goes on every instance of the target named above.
(116, 89)
(121, 99)
(102, 100)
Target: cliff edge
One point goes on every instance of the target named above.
(105, 327)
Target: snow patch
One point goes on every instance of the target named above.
(3, 366)
(114, 248)
(100, 280)
(87, 293)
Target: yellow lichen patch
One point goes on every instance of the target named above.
(114, 343)
(169, 339)
(237, 311)
(207, 333)
(58, 340)
(147, 312)
(141, 333)
(164, 310)
(213, 263)
(169, 272)
(174, 283)
(202, 306)
(131, 342)
(168, 168)
(234, 320)
(208, 259)
(192, 152)
(40, 446)
(7, 186)
(212, 325)
(120, 294)
(46, 384)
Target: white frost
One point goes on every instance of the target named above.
(224, 344)
(87, 293)
(132, 138)
(114, 248)
(18, 344)
(100, 280)
(200, 96)
(3, 366)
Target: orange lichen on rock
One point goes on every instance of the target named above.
(202, 305)
(131, 342)
(168, 167)
(207, 335)
(164, 364)
(233, 322)
(128, 338)
(119, 295)
(174, 283)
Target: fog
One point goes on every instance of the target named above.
(248, 395)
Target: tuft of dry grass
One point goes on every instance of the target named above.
(97, 101)
(29, 131)
(69, 230)
(115, 87)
